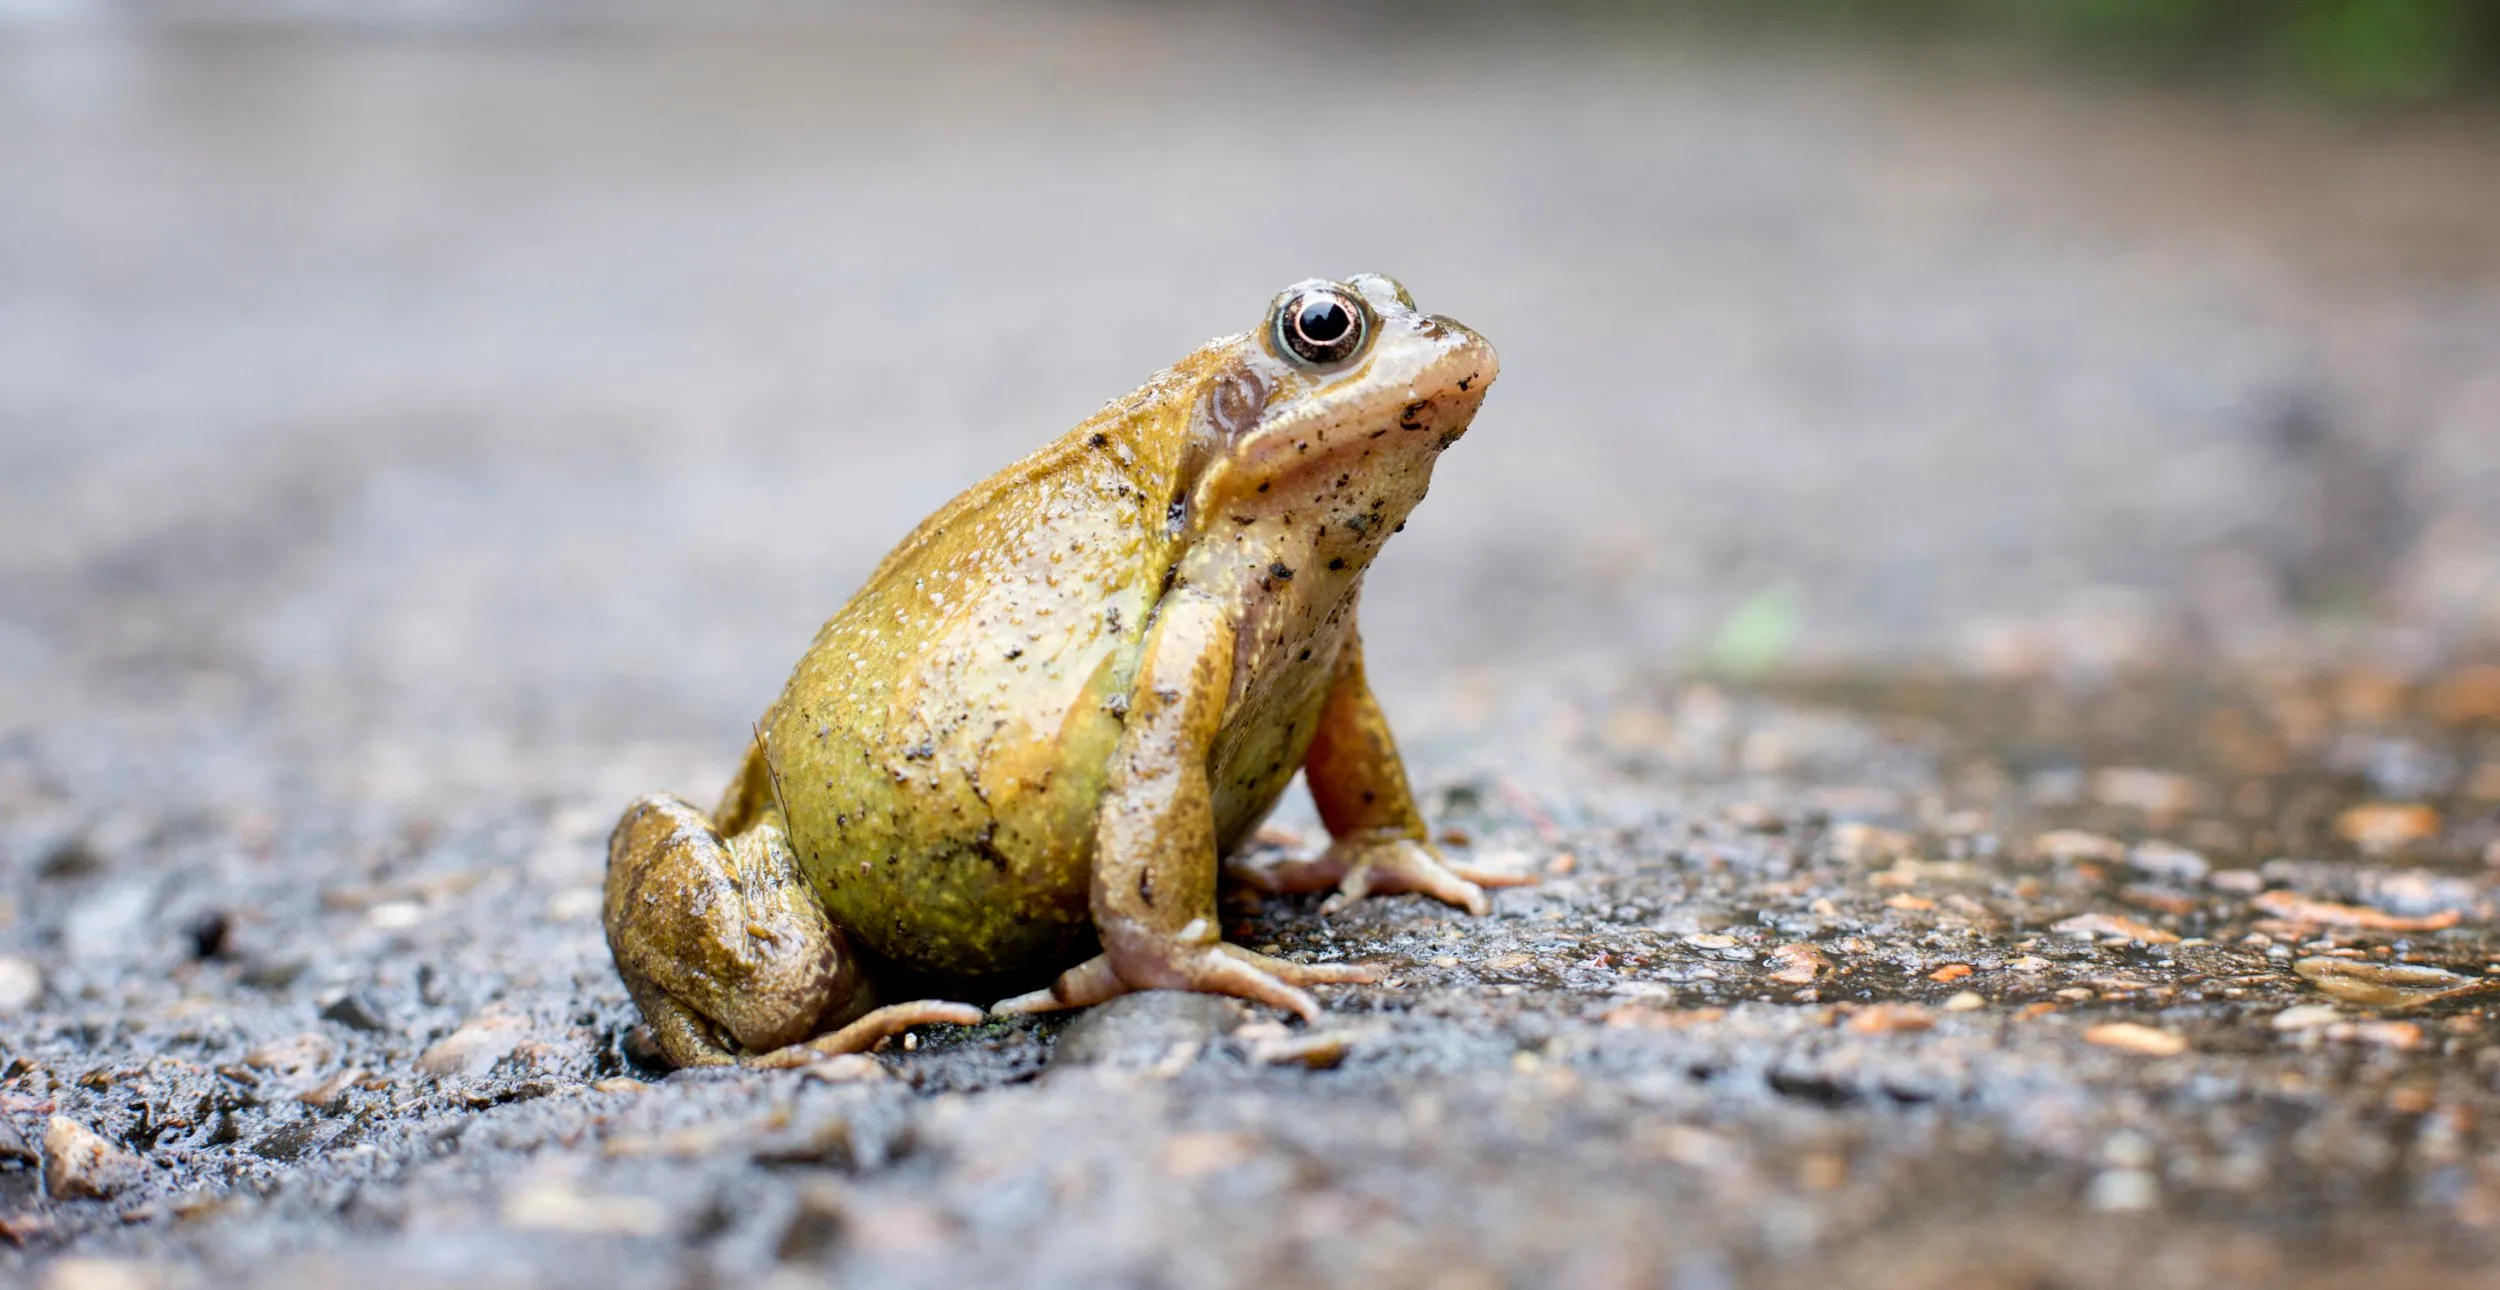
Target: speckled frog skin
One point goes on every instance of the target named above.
(1029, 741)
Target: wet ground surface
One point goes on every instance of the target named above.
(415, 445)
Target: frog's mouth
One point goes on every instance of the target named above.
(1412, 396)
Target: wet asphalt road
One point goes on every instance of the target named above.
(417, 442)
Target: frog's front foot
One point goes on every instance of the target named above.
(725, 949)
(1375, 864)
(1189, 962)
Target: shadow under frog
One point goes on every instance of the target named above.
(1028, 742)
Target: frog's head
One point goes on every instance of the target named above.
(1331, 412)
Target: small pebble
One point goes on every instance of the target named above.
(2125, 1190)
(1891, 1018)
(845, 1068)
(23, 1228)
(1966, 1001)
(553, 1205)
(2381, 827)
(14, 1148)
(1136, 1031)
(1858, 842)
(2306, 1016)
(330, 1094)
(2075, 844)
(2377, 985)
(21, 985)
(1190, 1155)
(2160, 794)
(1316, 1050)
(79, 1164)
(2403, 1036)
(2134, 1037)
(2469, 694)
(356, 1012)
(1798, 964)
(82, 1272)
(2089, 925)
(395, 915)
(474, 1048)
(2292, 907)
(2168, 860)
(1822, 1171)
(293, 1056)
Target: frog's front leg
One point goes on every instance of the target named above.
(1153, 898)
(1357, 780)
(723, 945)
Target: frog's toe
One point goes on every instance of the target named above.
(1383, 868)
(1229, 969)
(1219, 969)
(865, 1033)
(681, 1035)
(1281, 873)
(1293, 973)
(1084, 985)
(1489, 876)
(1244, 975)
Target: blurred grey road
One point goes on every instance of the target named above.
(420, 431)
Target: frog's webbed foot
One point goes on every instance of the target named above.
(1208, 969)
(1374, 864)
(723, 945)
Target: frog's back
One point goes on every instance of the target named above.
(940, 749)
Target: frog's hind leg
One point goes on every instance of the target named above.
(723, 945)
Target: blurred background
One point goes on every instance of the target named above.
(402, 398)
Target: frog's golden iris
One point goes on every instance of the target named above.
(1024, 748)
(1320, 324)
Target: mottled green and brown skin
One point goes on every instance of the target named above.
(1059, 703)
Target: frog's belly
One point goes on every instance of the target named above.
(944, 812)
(949, 829)
(930, 877)
(951, 865)
(961, 911)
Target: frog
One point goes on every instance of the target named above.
(1032, 746)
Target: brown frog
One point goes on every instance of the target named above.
(1026, 745)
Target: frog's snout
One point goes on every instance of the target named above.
(1467, 362)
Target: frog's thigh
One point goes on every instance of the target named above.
(719, 936)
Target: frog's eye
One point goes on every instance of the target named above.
(1322, 325)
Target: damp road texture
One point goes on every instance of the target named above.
(1974, 596)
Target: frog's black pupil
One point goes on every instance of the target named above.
(1324, 321)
